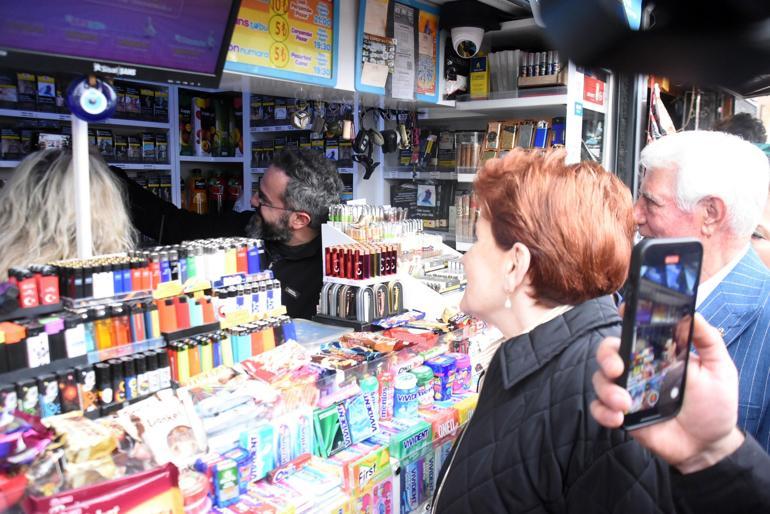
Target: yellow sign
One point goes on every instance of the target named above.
(168, 290)
(287, 37)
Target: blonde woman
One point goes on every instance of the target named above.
(37, 211)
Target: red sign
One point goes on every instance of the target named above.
(593, 90)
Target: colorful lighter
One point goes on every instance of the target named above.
(231, 261)
(252, 257)
(227, 350)
(207, 357)
(208, 311)
(182, 312)
(216, 350)
(194, 357)
(196, 313)
(242, 260)
(183, 362)
(268, 338)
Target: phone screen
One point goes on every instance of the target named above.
(660, 329)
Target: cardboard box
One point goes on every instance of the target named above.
(479, 77)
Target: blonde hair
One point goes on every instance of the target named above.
(37, 211)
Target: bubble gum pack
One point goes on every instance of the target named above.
(260, 445)
(444, 421)
(377, 501)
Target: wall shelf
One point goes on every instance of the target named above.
(419, 175)
(55, 116)
(384, 279)
(277, 128)
(132, 166)
(463, 246)
(535, 105)
(344, 171)
(201, 158)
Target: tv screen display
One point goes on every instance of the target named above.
(173, 41)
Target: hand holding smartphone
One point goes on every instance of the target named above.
(657, 327)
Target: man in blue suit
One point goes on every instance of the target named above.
(713, 186)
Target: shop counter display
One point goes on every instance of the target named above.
(234, 407)
(346, 425)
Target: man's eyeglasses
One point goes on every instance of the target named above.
(265, 203)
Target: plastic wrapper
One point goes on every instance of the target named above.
(219, 412)
(22, 441)
(155, 490)
(84, 440)
(400, 319)
(274, 365)
(163, 424)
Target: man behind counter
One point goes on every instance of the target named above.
(291, 205)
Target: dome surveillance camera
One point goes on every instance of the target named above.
(466, 41)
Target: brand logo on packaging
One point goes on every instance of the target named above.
(114, 70)
(447, 428)
(406, 397)
(371, 410)
(366, 475)
(412, 485)
(415, 439)
(303, 434)
(430, 465)
(346, 437)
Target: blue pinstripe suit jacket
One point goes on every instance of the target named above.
(740, 308)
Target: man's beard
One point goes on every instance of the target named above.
(258, 228)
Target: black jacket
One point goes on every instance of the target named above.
(532, 445)
(298, 268)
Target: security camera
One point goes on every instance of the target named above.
(468, 21)
(466, 41)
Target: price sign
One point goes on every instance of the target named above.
(287, 39)
(280, 7)
(279, 28)
(279, 55)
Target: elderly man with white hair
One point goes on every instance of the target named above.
(713, 186)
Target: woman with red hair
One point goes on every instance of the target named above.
(554, 242)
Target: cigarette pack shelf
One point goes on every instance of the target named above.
(277, 122)
(33, 114)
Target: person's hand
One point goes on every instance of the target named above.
(704, 432)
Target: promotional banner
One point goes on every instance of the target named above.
(288, 39)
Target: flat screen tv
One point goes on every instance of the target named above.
(170, 41)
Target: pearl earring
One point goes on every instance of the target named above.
(507, 303)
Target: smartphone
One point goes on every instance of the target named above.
(657, 327)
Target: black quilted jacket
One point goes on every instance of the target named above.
(532, 445)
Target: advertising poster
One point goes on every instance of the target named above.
(397, 50)
(289, 39)
(426, 58)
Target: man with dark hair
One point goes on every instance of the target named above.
(745, 126)
(291, 205)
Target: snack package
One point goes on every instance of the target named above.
(84, 440)
(156, 490)
(275, 365)
(163, 424)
